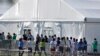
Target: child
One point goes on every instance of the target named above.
(20, 46)
(95, 44)
(53, 47)
(30, 45)
(42, 46)
(37, 45)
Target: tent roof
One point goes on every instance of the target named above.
(84, 4)
(88, 8)
(90, 13)
(41, 10)
(53, 10)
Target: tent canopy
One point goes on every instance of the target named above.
(53, 10)
(42, 10)
(88, 8)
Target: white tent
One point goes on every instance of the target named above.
(42, 10)
(91, 10)
(77, 18)
(47, 10)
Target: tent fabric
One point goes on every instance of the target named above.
(4, 6)
(88, 8)
(75, 30)
(41, 10)
(84, 4)
(53, 10)
(20, 11)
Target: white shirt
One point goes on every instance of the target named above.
(67, 43)
(30, 44)
(71, 43)
(53, 44)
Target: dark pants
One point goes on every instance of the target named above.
(95, 50)
(37, 50)
(61, 49)
(43, 49)
(21, 52)
(30, 51)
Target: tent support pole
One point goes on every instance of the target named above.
(61, 29)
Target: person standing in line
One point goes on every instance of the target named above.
(58, 44)
(73, 47)
(38, 39)
(84, 45)
(30, 47)
(54, 36)
(9, 37)
(53, 47)
(21, 46)
(67, 46)
(42, 36)
(46, 40)
(14, 36)
(42, 46)
(14, 40)
(95, 45)
(30, 36)
(71, 41)
(25, 40)
(50, 39)
(80, 46)
(3, 35)
(62, 46)
(1, 38)
(76, 47)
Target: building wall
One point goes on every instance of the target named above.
(92, 30)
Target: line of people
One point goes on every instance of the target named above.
(8, 36)
(56, 46)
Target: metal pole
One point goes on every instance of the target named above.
(38, 27)
(61, 29)
(37, 18)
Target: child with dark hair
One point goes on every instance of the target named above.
(42, 46)
(84, 45)
(71, 41)
(46, 39)
(58, 44)
(80, 46)
(62, 46)
(21, 46)
(53, 47)
(37, 44)
(68, 46)
(76, 47)
(9, 37)
(95, 45)
(30, 45)
(58, 41)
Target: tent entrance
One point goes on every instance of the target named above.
(48, 31)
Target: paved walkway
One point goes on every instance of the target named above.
(15, 52)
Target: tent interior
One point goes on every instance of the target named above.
(76, 18)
